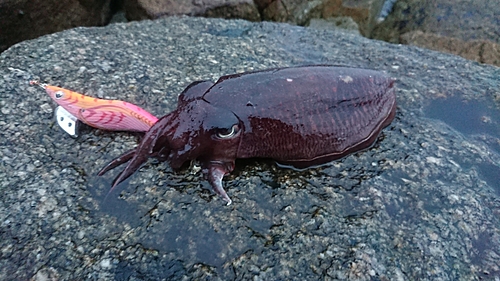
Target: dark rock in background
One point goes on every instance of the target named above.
(344, 23)
(462, 19)
(363, 12)
(422, 204)
(482, 51)
(468, 28)
(27, 19)
(151, 9)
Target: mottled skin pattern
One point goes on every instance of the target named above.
(299, 116)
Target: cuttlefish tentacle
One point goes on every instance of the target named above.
(142, 152)
(124, 158)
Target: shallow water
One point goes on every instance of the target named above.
(476, 119)
(467, 116)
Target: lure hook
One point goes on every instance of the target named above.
(37, 83)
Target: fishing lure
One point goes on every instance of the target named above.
(113, 115)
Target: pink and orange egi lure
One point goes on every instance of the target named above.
(114, 115)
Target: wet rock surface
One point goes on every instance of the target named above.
(423, 203)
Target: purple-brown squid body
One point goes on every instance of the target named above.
(298, 116)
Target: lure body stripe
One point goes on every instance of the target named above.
(112, 115)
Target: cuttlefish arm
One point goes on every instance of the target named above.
(148, 147)
(124, 158)
(214, 171)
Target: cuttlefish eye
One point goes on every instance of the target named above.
(59, 94)
(228, 133)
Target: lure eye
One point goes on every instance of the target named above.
(228, 133)
(59, 94)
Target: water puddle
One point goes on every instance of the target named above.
(476, 119)
(469, 117)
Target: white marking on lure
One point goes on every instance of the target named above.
(67, 121)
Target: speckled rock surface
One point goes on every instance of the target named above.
(422, 204)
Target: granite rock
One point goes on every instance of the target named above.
(421, 204)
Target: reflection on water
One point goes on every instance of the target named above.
(478, 119)
(467, 116)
